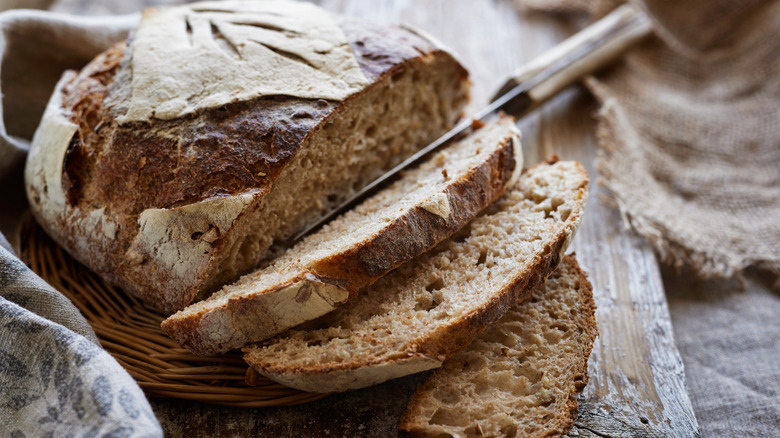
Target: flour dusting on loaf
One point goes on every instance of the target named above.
(433, 306)
(200, 155)
(397, 224)
(205, 55)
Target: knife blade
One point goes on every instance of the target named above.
(583, 53)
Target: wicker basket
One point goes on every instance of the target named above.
(131, 333)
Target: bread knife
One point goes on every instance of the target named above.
(585, 52)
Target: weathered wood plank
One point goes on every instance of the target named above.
(637, 385)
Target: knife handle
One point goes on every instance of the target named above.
(581, 54)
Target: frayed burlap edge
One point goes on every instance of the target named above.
(616, 136)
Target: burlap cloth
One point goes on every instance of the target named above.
(691, 150)
(690, 133)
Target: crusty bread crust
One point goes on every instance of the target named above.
(428, 353)
(339, 379)
(327, 282)
(442, 341)
(177, 201)
(544, 402)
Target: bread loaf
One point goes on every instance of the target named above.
(432, 307)
(418, 211)
(520, 376)
(182, 157)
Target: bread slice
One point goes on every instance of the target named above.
(519, 377)
(424, 207)
(171, 206)
(432, 307)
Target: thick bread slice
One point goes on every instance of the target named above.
(424, 207)
(174, 203)
(519, 377)
(433, 306)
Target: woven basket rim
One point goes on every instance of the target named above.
(131, 333)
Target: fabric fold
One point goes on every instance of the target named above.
(36, 47)
(55, 379)
(689, 134)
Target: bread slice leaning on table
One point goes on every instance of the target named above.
(177, 160)
(424, 207)
(430, 308)
(521, 375)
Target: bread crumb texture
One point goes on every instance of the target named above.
(520, 376)
(189, 197)
(433, 306)
(398, 223)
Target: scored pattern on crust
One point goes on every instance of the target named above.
(205, 55)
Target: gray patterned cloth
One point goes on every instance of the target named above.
(55, 379)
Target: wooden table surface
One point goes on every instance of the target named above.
(637, 384)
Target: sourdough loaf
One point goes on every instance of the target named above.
(409, 217)
(431, 307)
(520, 376)
(182, 157)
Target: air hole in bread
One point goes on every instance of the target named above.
(443, 416)
(524, 369)
(482, 257)
(312, 341)
(435, 285)
(509, 430)
(475, 430)
(447, 395)
(430, 301)
(565, 214)
(461, 235)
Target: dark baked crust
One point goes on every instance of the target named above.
(390, 248)
(252, 317)
(239, 148)
(446, 339)
(563, 420)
